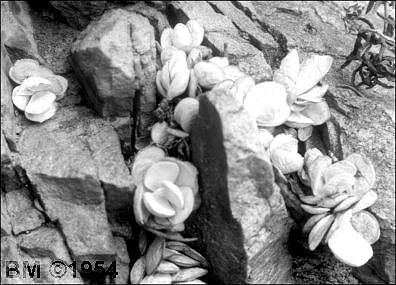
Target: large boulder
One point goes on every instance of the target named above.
(17, 30)
(105, 57)
(242, 219)
(220, 30)
(73, 162)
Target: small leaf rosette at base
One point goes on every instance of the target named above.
(341, 193)
(167, 190)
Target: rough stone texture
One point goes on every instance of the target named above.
(5, 218)
(306, 25)
(103, 57)
(242, 219)
(71, 161)
(219, 29)
(7, 108)
(122, 261)
(78, 14)
(47, 245)
(23, 216)
(17, 30)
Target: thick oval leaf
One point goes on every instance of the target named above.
(196, 32)
(183, 213)
(366, 201)
(159, 132)
(208, 74)
(43, 116)
(185, 112)
(20, 101)
(138, 271)
(157, 205)
(220, 61)
(172, 193)
(22, 69)
(342, 167)
(364, 166)
(158, 172)
(317, 112)
(166, 38)
(287, 161)
(266, 103)
(319, 231)
(367, 225)
(181, 36)
(312, 71)
(140, 211)
(315, 172)
(349, 246)
(154, 254)
(241, 87)
(298, 120)
(315, 94)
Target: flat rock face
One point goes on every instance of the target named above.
(72, 161)
(242, 219)
(17, 30)
(220, 29)
(103, 58)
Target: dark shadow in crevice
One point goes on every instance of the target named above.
(220, 236)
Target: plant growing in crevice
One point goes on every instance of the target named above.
(374, 49)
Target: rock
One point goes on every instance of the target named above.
(309, 26)
(5, 218)
(157, 19)
(23, 215)
(7, 108)
(78, 14)
(242, 218)
(10, 257)
(73, 161)
(219, 29)
(17, 30)
(104, 57)
(46, 245)
(122, 261)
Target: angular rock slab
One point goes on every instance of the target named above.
(103, 57)
(242, 220)
(71, 160)
(370, 130)
(17, 30)
(219, 29)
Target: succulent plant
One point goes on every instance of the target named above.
(304, 90)
(169, 262)
(283, 151)
(39, 89)
(340, 194)
(167, 190)
(183, 35)
(172, 80)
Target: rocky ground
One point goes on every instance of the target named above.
(66, 190)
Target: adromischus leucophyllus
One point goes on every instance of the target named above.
(340, 194)
(167, 189)
(39, 89)
(172, 80)
(304, 90)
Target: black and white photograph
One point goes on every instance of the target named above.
(197, 142)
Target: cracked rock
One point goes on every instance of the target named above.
(17, 30)
(104, 57)
(73, 161)
(23, 215)
(242, 217)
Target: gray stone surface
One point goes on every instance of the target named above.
(74, 161)
(78, 14)
(219, 29)
(17, 30)
(242, 219)
(23, 215)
